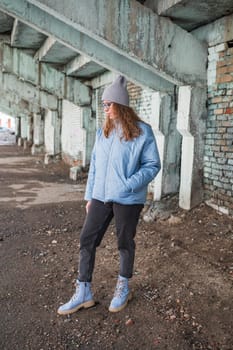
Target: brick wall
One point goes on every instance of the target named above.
(140, 101)
(218, 160)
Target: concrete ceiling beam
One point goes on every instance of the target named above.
(41, 77)
(78, 63)
(83, 44)
(44, 49)
(83, 67)
(140, 67)
(154, 43)
(13, 32)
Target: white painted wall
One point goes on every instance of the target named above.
(49, 133)
(73, 135)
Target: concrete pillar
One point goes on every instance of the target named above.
(56, 120)
(74, 171)
(155, 123)
(89, 125)
(38, 134)
(52, 144)
(20, 141)
(191, 125)
(29, 129)
(17, 127)
(38, 126)
(163, 123)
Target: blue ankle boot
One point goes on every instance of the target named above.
(121, 296)
(81, 298)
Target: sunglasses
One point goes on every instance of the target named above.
(107, 105)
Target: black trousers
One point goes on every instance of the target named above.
(97, 221)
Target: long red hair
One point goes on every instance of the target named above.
(128, 120)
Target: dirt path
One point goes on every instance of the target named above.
(183, 270)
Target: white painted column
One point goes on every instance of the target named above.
(187, 151)
(49, 133)
(160, 139)
(29, 129)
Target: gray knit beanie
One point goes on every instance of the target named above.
(117, 92)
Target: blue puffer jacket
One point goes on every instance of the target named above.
(121, 170)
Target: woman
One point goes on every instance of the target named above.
(124, 160)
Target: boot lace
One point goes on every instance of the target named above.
(120, 289)
(75, 296)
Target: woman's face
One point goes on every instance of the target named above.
(109, 110)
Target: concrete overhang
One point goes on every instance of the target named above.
(150, 50)
(190, 14)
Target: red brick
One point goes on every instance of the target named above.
(221, 64)
(226, 62)
(226, 78)
(228, 111)
(225, 69)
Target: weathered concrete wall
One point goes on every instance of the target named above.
(38, 83)
(27, 86)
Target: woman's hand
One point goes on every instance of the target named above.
(88, 206)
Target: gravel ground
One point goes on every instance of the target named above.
(182, 283)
